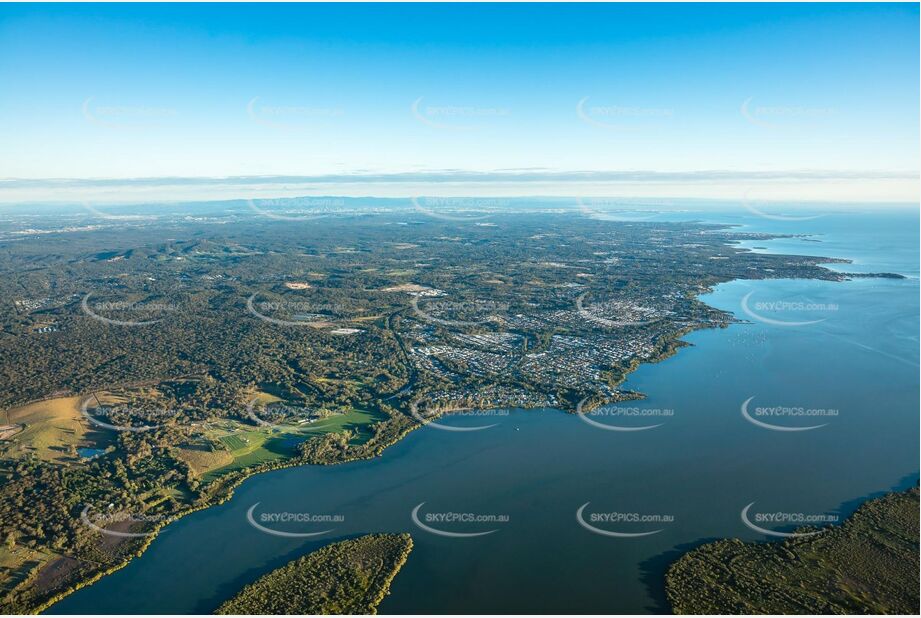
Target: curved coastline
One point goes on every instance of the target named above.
(227, 491)
(670, 347)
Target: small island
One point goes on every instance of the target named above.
(349, 577)
(867, 565)
(251, 346)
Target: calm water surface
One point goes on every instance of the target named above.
(859, 357)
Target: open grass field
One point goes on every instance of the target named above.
(202, 459)
(366, 318)
(268, 449)
(337, 381)
(51, 430)
(235, 443)
(20, 563)
(356, 420)
(249, 447)
(269, 393)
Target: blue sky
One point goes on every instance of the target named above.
(127, 91)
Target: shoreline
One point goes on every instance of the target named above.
(776, 574)
(224, 493)
(672, 347)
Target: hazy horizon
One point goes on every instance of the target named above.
(800, 102)
(712, 185)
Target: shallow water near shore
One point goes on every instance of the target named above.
(850, 347)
